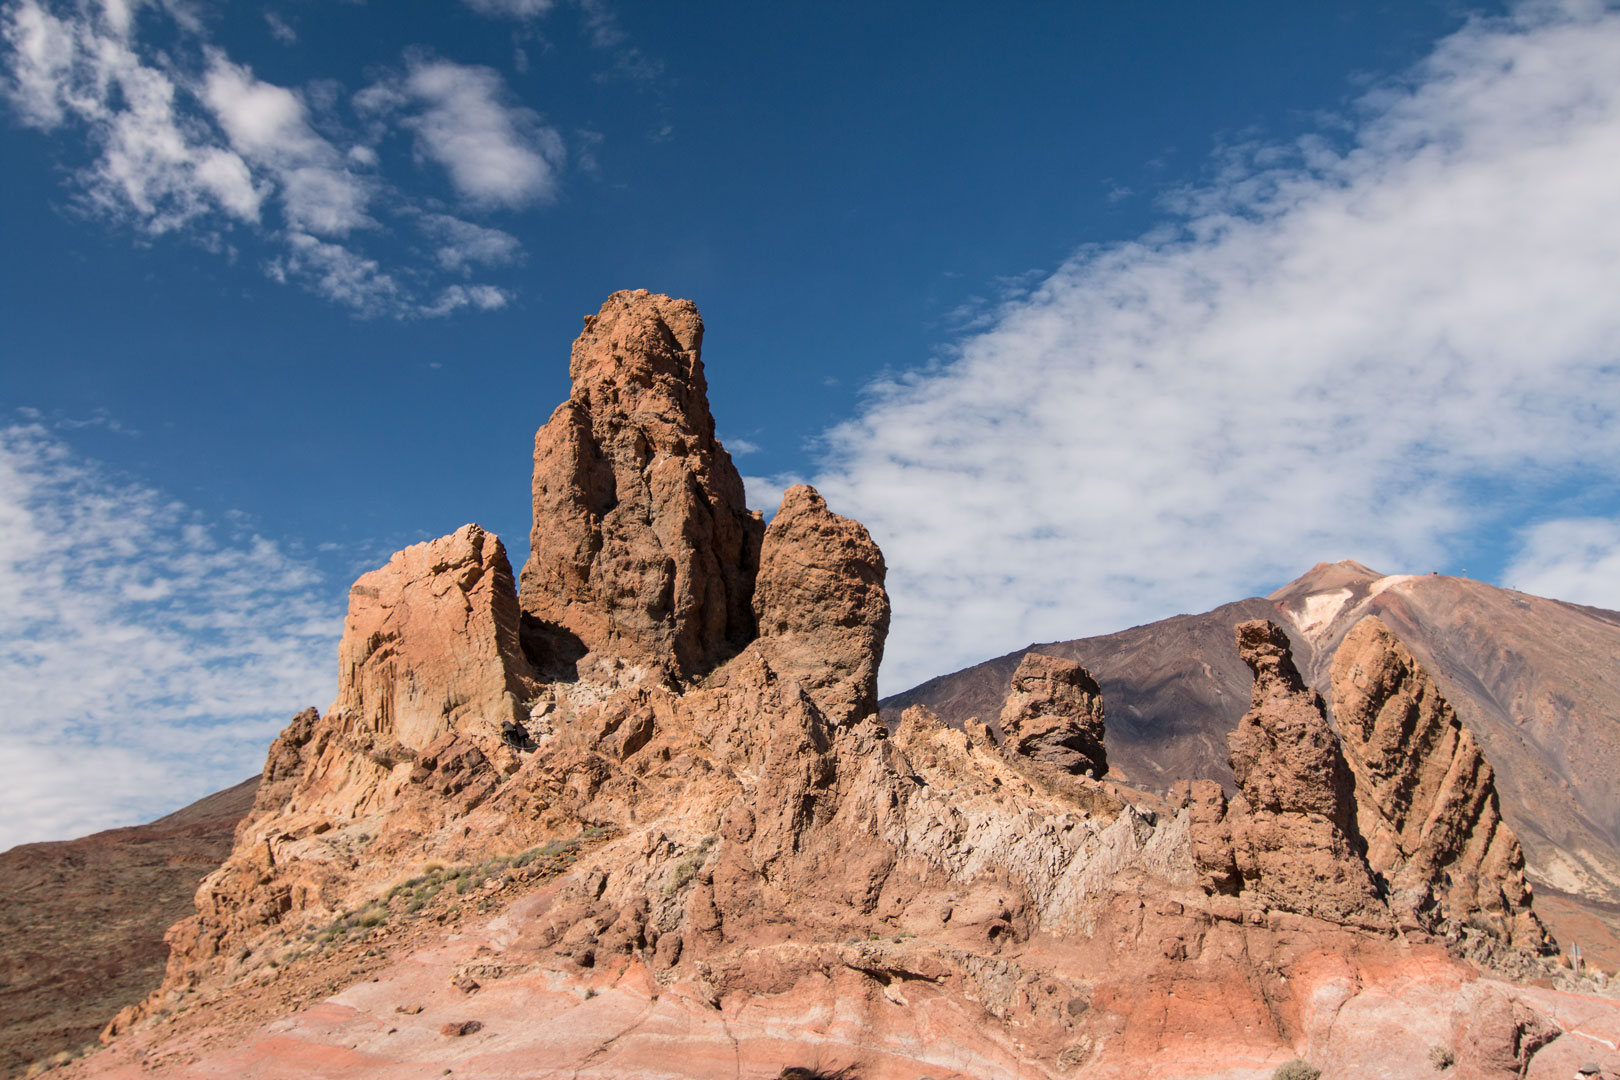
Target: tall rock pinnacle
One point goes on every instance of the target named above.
(1293, 825)
(643, 552)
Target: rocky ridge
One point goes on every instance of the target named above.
(1532, 679)
(773, 881)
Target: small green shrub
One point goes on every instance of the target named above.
(1441, 1057)
(1298, 1069)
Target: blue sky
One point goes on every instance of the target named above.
(1093, 313)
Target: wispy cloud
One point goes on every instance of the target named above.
(1575, 559)
(1362, 344)
(495, 152)
(463, 244)
(280, 28)
(269, 126)
(186, 141)
(147, 654)
(512, 9)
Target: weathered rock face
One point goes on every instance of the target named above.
(1425, 796)
(431, 647)
(432, 681)
(1292, 826)
(1054, 715)
(643, 553)
(820, 604)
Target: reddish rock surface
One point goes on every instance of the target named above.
(1425, 796)
(432, 685)
(643, 553)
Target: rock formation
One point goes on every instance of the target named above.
(1533, 679)
(431, 677)
(643, 554)
(820, 603)
(1054, 715)
(1425, 796)
(431, 648)
(696, 850)
(1292, 827)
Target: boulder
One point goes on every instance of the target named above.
(820, 603)
(1054, 715)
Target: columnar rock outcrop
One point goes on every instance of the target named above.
(1292, 827)
(643, 552)
(1425, 795)
(1054, 715)
(820, 603)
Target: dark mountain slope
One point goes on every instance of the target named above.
(82, 921)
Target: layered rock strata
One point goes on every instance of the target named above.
(1425, 796)
(643, 553)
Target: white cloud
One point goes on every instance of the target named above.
(192, 151)
(1576, 559)
(269, 125)
(148, 655)
(482, 297)
(462, 244)
(514, 9)
(339, 274)
(1328, 353)
(496, 154)
(154, 166)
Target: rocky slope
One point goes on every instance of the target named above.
(82, 922)
(1533, 680)
(694, 849)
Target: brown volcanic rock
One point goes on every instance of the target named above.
(1054, 715)
(1293, 826)
(820, 603)
(82, 922)
(1174, 689)
(431, 647)
(1425, 796)
(643, 551)
(432, 683)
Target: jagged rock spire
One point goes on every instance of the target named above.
(643, 552)
(1425, 795)
(1293, 826)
